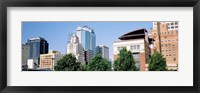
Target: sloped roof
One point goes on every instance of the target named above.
(139, 33)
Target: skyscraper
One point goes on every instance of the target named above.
(37, 46)
(87, 38)
(103, 51)
(76, 48)
(165, 35)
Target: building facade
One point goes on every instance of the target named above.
(137, 42)
(165, 35)
(87, 38)
(25, 54)
(32, 63)
(37, 46)
(76, 48)
(103, 51)
(88, 55)
(170, 25)
(50, 60)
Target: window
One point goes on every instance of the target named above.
(176, 26)
(138, 47)
(131, 47)
(134, 47)
(172, 23)
(172, 27)
(168, 33)
(176, 23)
(168, 40)
(118, 48)
(162, 45)
(136, 56)
(172, 32)
(174, 59)
(168, 44)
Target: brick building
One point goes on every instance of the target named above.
(165, 35)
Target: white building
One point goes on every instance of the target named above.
(103, 51)
(32, 63)
(137, 42)
(76, 48)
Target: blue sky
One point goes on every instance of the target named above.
(56, 33)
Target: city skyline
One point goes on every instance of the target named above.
(56, 33)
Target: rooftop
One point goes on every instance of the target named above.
(85, 28)
(36, 38)
(139, 33)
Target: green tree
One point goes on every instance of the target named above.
(157, 62)
(97, 63)
(125, 61)
(68, 63)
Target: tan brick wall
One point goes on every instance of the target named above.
(168, 42)
(115, 57)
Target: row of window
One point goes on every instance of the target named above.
(172, 27)
(173, 40)
(134, 47)
(169, 55)
(174, 59)
(176, 23)
(168, 32)
(173, 50)
(46, 64)
(162, 45)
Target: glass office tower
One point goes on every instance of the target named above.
(87, 38)
(37, 46)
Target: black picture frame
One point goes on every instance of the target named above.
(99, 3)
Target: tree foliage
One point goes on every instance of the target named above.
(68, 63)
(125, 61)
(157, 62)
(97, 63)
